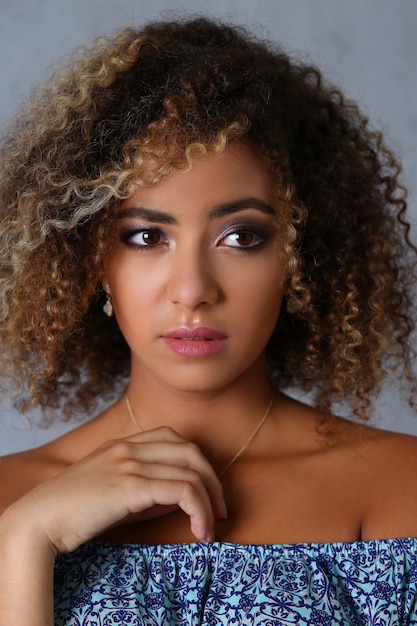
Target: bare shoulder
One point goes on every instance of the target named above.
(21, 472)
(370, 473)
(383, 467)
(390, 486)
(388, 451)
(385, 455)
(393, 457)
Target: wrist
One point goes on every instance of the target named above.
(27, 561)
(21, 535)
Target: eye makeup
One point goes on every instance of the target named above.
(251, 224)
(146, 237)
(244, 236)
(239, 235)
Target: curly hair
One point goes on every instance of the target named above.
(81, 145)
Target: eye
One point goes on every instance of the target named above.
(144, 238)
(244, 239)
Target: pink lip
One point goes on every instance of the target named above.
(194, 342)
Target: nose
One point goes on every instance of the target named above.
(193, 279)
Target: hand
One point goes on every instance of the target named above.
(122, 478)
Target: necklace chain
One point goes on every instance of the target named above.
(132, 417)
(240, 451)
(252, 436)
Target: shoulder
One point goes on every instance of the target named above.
(393, 458)
(21, 472)
(392, 487)
(381, 456)
(383, 469)
(371, 473)
(305, 429)
(384, 452)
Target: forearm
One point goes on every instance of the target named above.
(26, 574)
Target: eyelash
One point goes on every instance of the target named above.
(260, 235)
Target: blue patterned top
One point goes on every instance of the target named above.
(222, 583)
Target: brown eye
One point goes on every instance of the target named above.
(243, 239)
(145, 238)
(150, 237)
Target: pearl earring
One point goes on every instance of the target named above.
(108, 306)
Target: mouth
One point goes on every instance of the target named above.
(196, 334)
(195, 342)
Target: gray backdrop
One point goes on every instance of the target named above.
(369, 47)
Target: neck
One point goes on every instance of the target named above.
(218, 421)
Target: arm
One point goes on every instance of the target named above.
(123, 480)
(26, 573)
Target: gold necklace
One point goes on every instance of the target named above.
(239, 452)
(132, 417)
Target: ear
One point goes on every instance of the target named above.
(106, 286)
(103, 277)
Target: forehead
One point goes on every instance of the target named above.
(237, 171)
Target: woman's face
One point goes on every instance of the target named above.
(196, 272)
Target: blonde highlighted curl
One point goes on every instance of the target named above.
(162, 95)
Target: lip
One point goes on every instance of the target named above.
(195, 342)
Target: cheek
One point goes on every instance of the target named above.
(133, 294)
(131, 279)
(258, 296)
(265, 308)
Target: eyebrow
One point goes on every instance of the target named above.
(227, 208)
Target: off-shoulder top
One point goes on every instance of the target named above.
(357, 583)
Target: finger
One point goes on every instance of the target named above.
(162, 433)
(186, 455)
(163, 472)
(189, 495)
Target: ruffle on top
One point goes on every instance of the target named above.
(222, 583)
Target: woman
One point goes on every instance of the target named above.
(243, 230)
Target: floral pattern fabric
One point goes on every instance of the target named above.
(222, 583)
